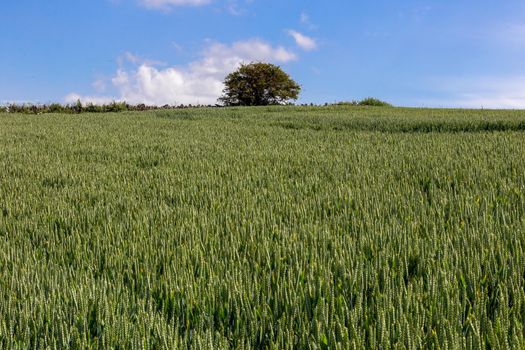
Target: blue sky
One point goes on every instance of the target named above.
(447, 53)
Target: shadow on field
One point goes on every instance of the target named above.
(372, 120)
(405, 126)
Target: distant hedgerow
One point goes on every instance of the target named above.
(80, 107)
(369, 101)
(116, 107)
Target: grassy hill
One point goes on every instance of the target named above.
(282, 227)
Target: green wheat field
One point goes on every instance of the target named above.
(263, 228)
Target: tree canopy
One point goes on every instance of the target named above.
(259, 84)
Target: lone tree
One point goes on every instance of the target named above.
(259, 84)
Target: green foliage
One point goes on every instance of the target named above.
(347, 103)
(55, 108)
(79, 107)
(259, 84)
(91, 108)
(116, 107)
(370, 101)
(263, 228)
(24, 108)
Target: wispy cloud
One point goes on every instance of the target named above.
(233, 7)
(304, 42)
(136, 59)
(306, 20)
(99, 85)
(479, 92)
(509, 34)
(237, 7)
(199, 82)
(167, 4)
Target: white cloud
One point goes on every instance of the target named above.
(199, 82)
(479, 92)
(167, 4)
(96, 100)
(304, 42)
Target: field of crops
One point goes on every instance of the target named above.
(263, 228)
